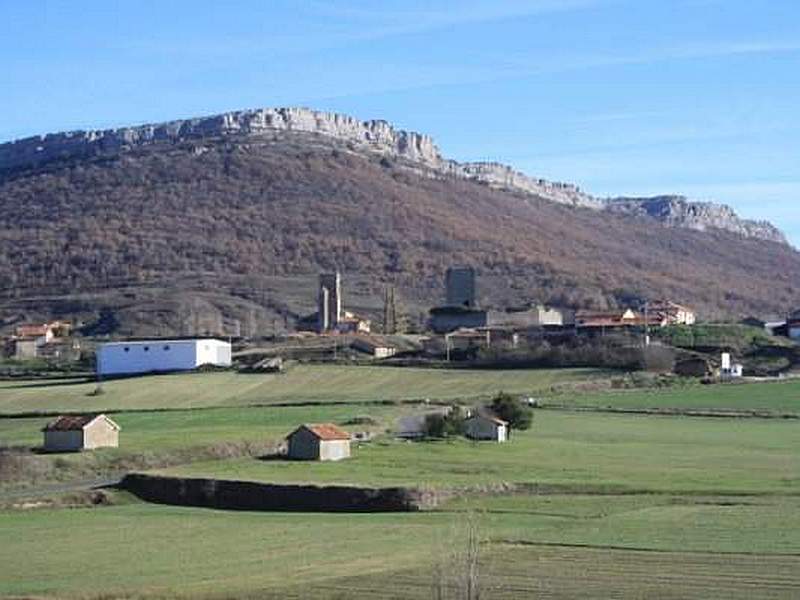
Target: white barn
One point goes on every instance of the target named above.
(160, 356)
(486, 427)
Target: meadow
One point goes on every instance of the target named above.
(583, 451)
(301, 383)
(534, 546)
(607, 505)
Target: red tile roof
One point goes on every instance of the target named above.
(327, 431)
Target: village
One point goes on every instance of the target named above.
(460, 332)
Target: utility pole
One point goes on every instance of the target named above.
(646, 324)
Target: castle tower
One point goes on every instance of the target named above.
(460, 283)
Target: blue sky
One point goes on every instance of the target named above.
(700, 97)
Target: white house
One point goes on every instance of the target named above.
(154, 356)
(486, 427)
(730, 370)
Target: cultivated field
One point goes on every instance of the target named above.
(301, 383)
(624, 506)
(550, 547)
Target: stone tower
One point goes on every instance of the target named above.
(460, 283)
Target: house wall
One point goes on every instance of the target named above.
(63, 441)
(483, 429)
(303, 445)
(100, 434)
(120, 358)
(446, 322)
(794, 331)
(213, 352)
(26, 349)
(334, 449)
(146, 357)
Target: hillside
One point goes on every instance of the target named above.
(184, 233)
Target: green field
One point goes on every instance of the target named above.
(776, 396)
(667, 546)
(664, 454)
(625, 506)
(301, 383)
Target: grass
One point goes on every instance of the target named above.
(776, 396)
(600, 451)
(161, 551)
(302, 383)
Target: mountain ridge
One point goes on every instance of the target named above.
(378, 136)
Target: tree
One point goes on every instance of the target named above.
(438, 425)
(513, 410)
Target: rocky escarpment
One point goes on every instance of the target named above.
(678, 211)
(418, 150)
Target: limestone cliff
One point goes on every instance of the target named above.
(417, 151)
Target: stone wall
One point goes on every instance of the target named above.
(248, 495)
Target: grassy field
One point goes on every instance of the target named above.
(628, 506)
(671, 547)
(315, 383)
(665, 454)
(776, 396)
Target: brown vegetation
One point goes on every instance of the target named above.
(236, 218)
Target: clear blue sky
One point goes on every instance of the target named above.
(700, 97)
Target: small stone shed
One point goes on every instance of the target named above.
(71, 433)
(486, 427)
(324, 441)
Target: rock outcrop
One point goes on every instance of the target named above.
(417, 150)
(678, 211)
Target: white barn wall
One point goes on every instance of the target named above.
(124, 358)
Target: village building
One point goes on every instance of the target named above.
(324, 441)
(72, 433)
(31, 339)
(730, 370)
(672, 313)
(534, 316)
(485, 427)
(608, 318)
(374, 345)
(352, 323)
(161, 356)
(444, 319)
(793, 325)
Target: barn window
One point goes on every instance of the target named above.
(166, 347)
(146, 348)
(127, 349)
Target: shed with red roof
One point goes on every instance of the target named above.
(323, 441)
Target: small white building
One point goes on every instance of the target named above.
(160, 356)
(71, 433)
(730, 370)
(486, 427)
(324, 441)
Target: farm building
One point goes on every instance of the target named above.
(377, 346)
(486, 427)
(71, 433)
(153, 356)
(324, 441)
(793, 325)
